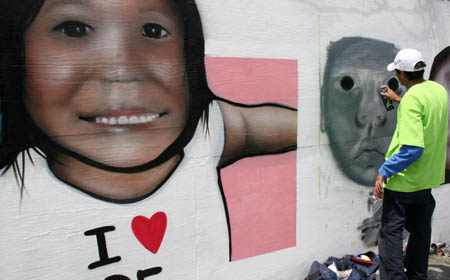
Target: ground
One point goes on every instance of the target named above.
(439, 268)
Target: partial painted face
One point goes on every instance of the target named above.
(358, 125)
(443, 77)
(106, 79)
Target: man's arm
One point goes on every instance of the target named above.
(400, 161)
(395, 164)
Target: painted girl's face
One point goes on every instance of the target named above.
(106, 79)
(443, 77)
(358, 125)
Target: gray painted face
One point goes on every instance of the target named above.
(354, 117)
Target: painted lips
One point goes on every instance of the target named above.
(124, 118)
(127, 120)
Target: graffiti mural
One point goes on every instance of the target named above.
(358, 125)
(198, 139)
(353, 115)
(259, 223)
(114, 143)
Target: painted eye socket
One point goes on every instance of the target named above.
(74, 29)
(154, 31)
(347, 83)
(393, 84)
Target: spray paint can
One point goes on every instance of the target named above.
(388, 104)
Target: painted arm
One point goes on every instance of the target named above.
(257, 130)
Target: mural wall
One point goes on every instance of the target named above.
(181, 139)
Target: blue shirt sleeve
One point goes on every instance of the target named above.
(400, 161)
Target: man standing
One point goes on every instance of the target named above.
(415, 164)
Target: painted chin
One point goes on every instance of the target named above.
(362, 175)
(369, 176)
(130, 148)
(361, 167)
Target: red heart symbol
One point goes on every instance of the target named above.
(150, 232)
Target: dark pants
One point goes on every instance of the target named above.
(412, 211)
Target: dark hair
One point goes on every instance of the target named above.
(19, 131)
(17, 128)
(438, 60)
(412, 76)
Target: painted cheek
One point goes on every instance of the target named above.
(54, 72)
(50, 103)
(446, 81)
(168, 66)
(170, 72)
(50, 87)
(341, 119)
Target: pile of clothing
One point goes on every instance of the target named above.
(439, 249)
(349, 267)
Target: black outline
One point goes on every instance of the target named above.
(128, 200)
(227, 214)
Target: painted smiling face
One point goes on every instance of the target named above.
(358, 125)
(106, 79)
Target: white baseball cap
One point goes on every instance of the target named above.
(406, 60)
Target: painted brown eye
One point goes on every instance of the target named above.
(393, 84)
(154, 31)
(347, 83)
(73, 29)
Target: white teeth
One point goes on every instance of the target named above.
(133, 120)
(127, 120)
(112, 120)
(123, 120)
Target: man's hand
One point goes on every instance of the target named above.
(392, 95)
(378, 189)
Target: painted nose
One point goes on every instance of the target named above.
(371, 113)
(120, 62)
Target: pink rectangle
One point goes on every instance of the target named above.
(260, 191)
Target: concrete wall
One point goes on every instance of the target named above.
(330, 205)
(311, 203)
